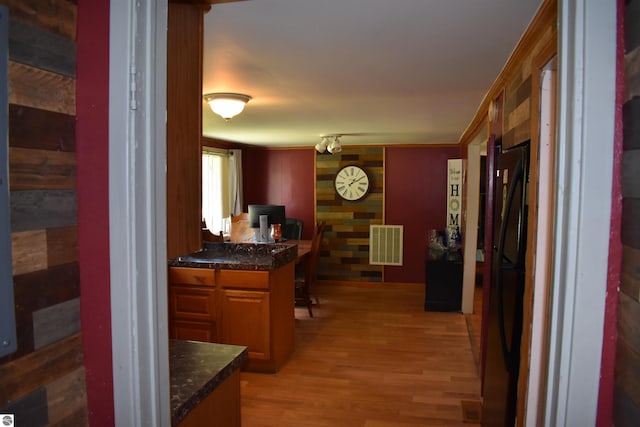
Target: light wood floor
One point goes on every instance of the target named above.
(370, 356)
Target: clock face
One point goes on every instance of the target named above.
(352, 183)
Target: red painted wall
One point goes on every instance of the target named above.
(415, 193)
(92, 105)
(607, 369)
(415, 197)
(281, 177)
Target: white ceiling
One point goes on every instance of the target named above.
(385, 71)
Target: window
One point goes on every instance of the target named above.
(215, 188)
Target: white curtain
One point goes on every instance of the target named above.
(235, 181)
(215, 188)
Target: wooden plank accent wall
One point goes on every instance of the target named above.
(43, 382)
(345, 252)
(516, 114)
(626, 397)
(513, 86)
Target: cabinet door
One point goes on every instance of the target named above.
(194, 331)
(245, 321)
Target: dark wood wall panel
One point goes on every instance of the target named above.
(58, 16)
(631, 119)
(38, 209)
(29, 410)
(56, 322)
(35, 291)
(628, 323)
(35, 46)
(40, 368)
(624, 409)
(67, 399)
(632, 29)
(630, 223)
(626, 399)
(631, 174)
(628, 369)
(35, 250)
(40, 129)
(41, 169)
(630, 280)
(37, 88)
(62, 245)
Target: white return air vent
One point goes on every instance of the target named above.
(385, 244)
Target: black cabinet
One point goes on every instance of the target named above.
(443, 281)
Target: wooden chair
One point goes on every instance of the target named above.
(292, 229)
(240, 228)
(208, 236)
(305, 283)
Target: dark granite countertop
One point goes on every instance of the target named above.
(239, 256)
(196, 369)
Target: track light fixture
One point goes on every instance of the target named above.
(321, 146)
(332, 147)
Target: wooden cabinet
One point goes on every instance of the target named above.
(242, 307)
(192, 304)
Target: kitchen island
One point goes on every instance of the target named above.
(205, 383)
(236, 293)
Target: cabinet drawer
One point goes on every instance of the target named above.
(241, 279)
(192, 303)
(194, 331)
(192, 276)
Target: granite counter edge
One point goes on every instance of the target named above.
(180, 413)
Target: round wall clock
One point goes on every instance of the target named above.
(352, 183)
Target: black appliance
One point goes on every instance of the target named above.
(504, 322)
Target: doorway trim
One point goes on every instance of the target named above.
(471, 222)
(137, 217)
(586, 91)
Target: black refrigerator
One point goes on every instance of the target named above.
(504, 321)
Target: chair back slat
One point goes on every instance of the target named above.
(314, 255)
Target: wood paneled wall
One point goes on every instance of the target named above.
(184, 128)
(345, 253)
(626, 410)
(43, 382)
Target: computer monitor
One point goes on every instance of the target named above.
(276, 214)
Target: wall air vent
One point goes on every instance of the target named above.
(385, 244)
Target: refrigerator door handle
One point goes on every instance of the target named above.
(519, 176)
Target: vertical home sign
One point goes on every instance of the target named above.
(8, 342)
(454, 196)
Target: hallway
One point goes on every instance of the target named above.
(370, 356)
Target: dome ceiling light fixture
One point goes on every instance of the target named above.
(226, 104)
(332, 147)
